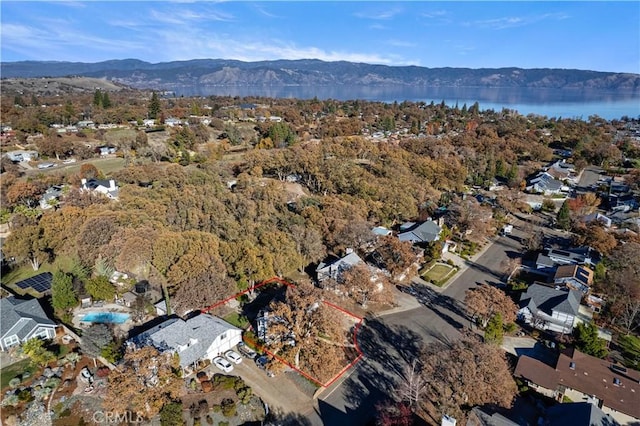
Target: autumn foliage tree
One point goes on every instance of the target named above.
(363, 285)
(484, 301)
(465, 374)
(306, 332)
(144, 382)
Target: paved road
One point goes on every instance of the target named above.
(391, 341)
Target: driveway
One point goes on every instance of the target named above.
(283, 393)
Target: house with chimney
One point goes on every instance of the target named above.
(106, 187)
(579, 377)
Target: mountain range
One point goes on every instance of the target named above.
(178, 75)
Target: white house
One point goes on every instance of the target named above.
(546, 308)
(106, 187)
(198, 338)
(18, 156)
(21, 320)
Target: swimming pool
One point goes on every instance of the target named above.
(105, 317)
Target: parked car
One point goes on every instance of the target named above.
(223, 364)
(246, 351)
(45, 165)
(262, 362)
(233, 356)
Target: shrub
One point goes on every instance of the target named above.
(209, 419)
(15, 382)
(171, 414)
(207, 386)
(52, 382)
(244, 394)
(228, 407)
(25, 395)
(450, 262)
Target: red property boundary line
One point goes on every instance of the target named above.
(279, 280)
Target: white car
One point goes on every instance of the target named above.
(233, 356)
(223, 364)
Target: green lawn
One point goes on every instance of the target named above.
(26, 271)
(236, 319)
(15, 370)
(437, 272)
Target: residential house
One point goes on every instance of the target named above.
(425, 232)
(51, 197)
(172, 122)
(21, 155)
(83, 124)
(562, 171)
(335, 269)
(544, 183)
(575, 277)
(21, 320)
(483, 417)
(578, 413)
(606, 221)
(623, 203)
(547, 308)
(581, 377)
(106, 187)
(195, 339)
(576, 256)
(106, 150)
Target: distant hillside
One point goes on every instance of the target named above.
(309, 72)
(57, 85)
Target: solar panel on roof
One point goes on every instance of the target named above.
(39, 283)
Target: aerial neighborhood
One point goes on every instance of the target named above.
(224, 260)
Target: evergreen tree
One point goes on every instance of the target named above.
(154, 106)
(62, 294)
(97, 98)
(494, 331)
(587, 340)
(106, 102)
(94, 339)
(563, 218)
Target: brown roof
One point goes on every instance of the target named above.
(578, 271)
(589, 375)
(594, 376)
(537, 372)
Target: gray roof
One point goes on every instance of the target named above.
(546, 182)
(21, 316)
(578, 414)
(333, 270)
(478, 417)
(548, 299)
(197, 334)
(426, 232)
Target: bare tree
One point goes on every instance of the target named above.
(413, 385)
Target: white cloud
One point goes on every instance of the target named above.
(400, 43)
(379, 15)
(514, 21)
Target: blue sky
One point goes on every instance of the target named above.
(602, 36)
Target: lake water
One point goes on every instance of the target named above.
(566, 103)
